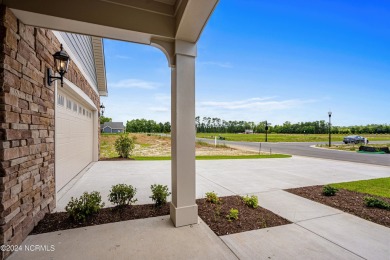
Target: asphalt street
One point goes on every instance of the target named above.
(307, 149)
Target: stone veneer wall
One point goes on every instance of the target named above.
(27, 183)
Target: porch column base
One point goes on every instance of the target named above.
(184, 216)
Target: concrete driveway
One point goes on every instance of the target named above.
(317, 231)
(225, 177)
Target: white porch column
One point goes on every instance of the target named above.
(184, 210)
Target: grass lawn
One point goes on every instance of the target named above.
(142, 141)
(154, 147)
(378, 187)
(288, 137)
(213, 157)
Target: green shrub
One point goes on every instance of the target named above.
(251, 201)
(233, 214)
(85, 206)
(329, 190)
(376, 203)
(159, 194)
(124, 145)
(212, 197)
(122, 194)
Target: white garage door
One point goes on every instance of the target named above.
(74, 137)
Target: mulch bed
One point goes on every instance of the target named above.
(116, 159)
(349, 201)
(249, 218)
(61, 221)
(214, 215)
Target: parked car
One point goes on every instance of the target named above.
(354, 139)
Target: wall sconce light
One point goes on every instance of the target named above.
(61, 59)
(102, 107)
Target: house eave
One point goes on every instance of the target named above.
(98, 53)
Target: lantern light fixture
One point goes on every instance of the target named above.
(102, 107)
(61, 59)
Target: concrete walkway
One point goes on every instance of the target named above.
(317, 232)
(152, 238)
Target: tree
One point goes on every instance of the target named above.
(104, 119)
(167, 127)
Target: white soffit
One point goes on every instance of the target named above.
(72, 26)
(192, 20)
(129, 20)
(98, 53)
(119, 14)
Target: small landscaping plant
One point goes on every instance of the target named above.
(252, 201)
(233, 214)
(376, 203)
(329, 190)
(159, 194)
(122, 194)
(124, 145)
(212, 197)
(85, 206)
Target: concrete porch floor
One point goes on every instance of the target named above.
(317, 232)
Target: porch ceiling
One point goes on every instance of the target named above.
(130, 20)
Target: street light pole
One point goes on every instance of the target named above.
(330, 126)
(266, 131)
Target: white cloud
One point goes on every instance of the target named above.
(134, 83)
(162, 103)
(256, 109)
(258, 104)
(163, 98)
(216, 63)
(159, 109)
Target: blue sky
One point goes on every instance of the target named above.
(273, 60)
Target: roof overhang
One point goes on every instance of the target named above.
(159, 23)
(129, 20)
(98, 54)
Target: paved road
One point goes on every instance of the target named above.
(305, 149)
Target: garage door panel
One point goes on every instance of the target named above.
(74, 139)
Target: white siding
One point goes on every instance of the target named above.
(81, 47)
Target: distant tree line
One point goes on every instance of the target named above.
(320, 127)
(217, 125)
(147, 126)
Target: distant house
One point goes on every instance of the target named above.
(248, 131)
(112, 127)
